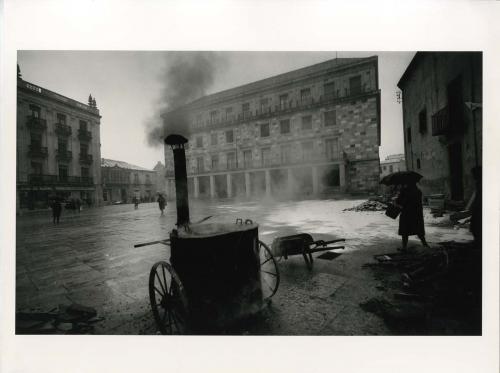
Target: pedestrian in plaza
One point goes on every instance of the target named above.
(78, 204)
(56, 210)
(136, 202)
(411, 220)
(161, 202)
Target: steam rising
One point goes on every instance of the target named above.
(186, 78)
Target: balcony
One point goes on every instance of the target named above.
(36, 151)
(36, 124)
(60, 180)
(441, 122)
(63, 130)
(64, 155)
(85, 158)
(84, 135)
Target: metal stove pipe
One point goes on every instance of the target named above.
(181, 187)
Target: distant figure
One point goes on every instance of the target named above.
(161, 203)
(136, 202)
(78, 204)
(56, 210)
(411, 220)
(476, 220)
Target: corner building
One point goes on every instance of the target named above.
(58, 148)
(311, 131)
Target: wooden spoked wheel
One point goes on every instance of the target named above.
(269, 273)
(168, 299)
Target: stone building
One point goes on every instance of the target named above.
(122, 181)
(310, 131)
(442, 118)
(392, 163)
(58, 148)
(161, 182)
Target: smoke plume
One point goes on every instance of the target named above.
(186, 77)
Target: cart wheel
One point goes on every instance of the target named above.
(269, 274)
(168, 299)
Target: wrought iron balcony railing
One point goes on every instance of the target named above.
(85, 158)
(64, 155)
(47, 180)
(441, 122)
(63, 130)
(35, 123)
(84, 135)
(36, 151)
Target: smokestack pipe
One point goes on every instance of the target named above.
(181, 188)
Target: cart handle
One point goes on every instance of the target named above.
(324, 243)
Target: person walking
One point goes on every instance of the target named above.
(56, 210)
(161, 202)
(411, 220)
(136, 203)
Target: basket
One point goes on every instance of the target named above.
(392, 211)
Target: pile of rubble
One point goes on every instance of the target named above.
(369, 205)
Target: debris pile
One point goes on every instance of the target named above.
(369, 205)
(67, 319)
(443, 284)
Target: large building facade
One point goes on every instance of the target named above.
(122, 181)
(306, 132)
(392, 163)
(58, 148)
(442, 118)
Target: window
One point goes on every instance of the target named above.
(307, 123)
(384, 168)
(329, 90)
(408, 135)
(213, 116)
(418, 163)
(83, 125)
(213, 138)
(36, 140)
(246, 109)
(305, 95)
(229, 113)
(285, 126)
(61, 118)
(35, 111)
(283, 101)
(264, 105)
(105, 195)
(422, 121)
(136, 178)
(231, 161)
(355, 85)
(307, 150)
(229, 136)
(215, 162)
(62, 145)
(198, 119)
(391, 168)
(286, 154)
(36, 168)
(199, 141)
(332, 149)
(264, 130)
(247, 158)
(330, 118)
(266, 157)
(63, 172)
(85, 172)
(84, 149)
(200, 164)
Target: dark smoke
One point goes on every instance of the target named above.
(187, 77)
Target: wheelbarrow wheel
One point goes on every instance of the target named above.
(269, 273)
(168, 299)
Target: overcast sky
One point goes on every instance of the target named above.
(127, 87)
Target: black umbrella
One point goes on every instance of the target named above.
(401, 177)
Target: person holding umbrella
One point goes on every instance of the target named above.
(409, 200)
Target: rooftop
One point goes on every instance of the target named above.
(112, 163)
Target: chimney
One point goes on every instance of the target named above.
(181, 188)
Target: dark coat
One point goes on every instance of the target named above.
(411, 220)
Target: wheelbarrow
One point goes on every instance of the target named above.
(301, 244)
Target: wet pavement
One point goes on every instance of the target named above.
(89, 259)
